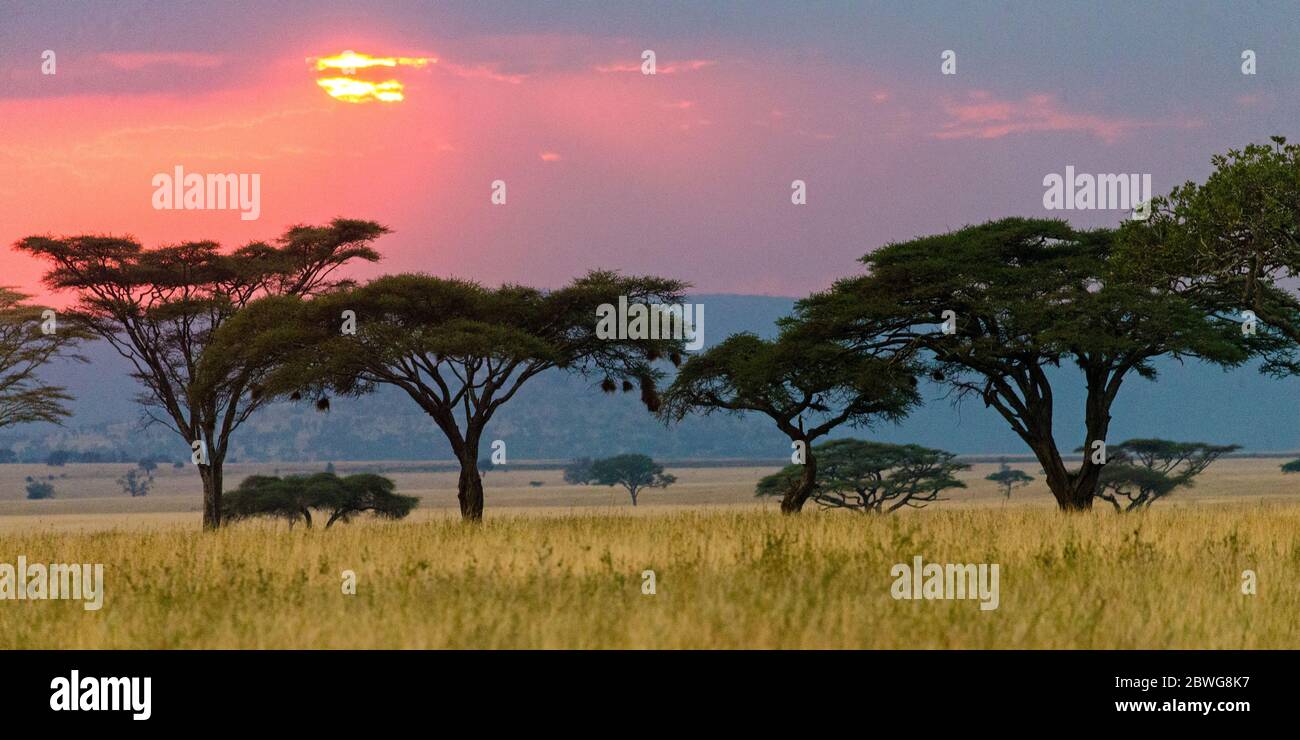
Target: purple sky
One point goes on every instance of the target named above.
(686, 173)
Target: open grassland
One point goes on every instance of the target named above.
(726, 578)
(88, 497)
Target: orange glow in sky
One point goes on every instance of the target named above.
(351, 60)
(352, 89)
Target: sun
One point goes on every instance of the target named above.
(342, 82)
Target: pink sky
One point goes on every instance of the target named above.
(686, 173)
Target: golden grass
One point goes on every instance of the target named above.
(726, 578)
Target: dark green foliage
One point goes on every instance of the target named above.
(1232, 241)
(25, 349)
(137, 481)
(1008, 478)
(458, 349)
(1028, 295)
(366, 492)
(1291, 467)
(37, 489)
(871, 476)
(1142, 471)
(633, 472)
(578, 472)
(160, 308)
(807, 383)
(293, 498)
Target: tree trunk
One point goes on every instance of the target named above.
(211, 475)
(633, 492)
(470, 488)
(796, 496)
(1072, 491)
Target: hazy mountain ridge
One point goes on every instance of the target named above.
(558, 416)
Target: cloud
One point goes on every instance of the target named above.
(483, 72)
(132, 61)
(690, 65)
(549, 157)
(981, 116)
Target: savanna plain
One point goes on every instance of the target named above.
(560, 566)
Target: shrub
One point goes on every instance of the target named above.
(39, 490)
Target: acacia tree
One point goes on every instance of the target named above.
(799, 374)
(159, 308)
(29, 341)
(458, 349)
(872, 477)
(633, 472)
(293, 498)
(1008, 478)
(137, 482)
(1142, 471)
(1026, 296)
(1233, 242)
(1233, 238)
(270, 496)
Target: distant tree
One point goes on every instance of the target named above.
(536, 483)
(796, 375)
(136, 482)
(329, 467)
(148, 465)
(178, 465)
(295, 497)
(268, 496)
(1142, 471)
(633, 472)
(460, 350)
(1291, 467)
(1008, 478)
(159, 308)
(871, 476)
(57, 458)
(578, 471)
(485, 464)
(7, 456)
(37, 489)
(366, 492)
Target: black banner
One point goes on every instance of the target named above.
(214, 689)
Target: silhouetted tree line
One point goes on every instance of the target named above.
(992, 311)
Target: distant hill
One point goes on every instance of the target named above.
(557, 416)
